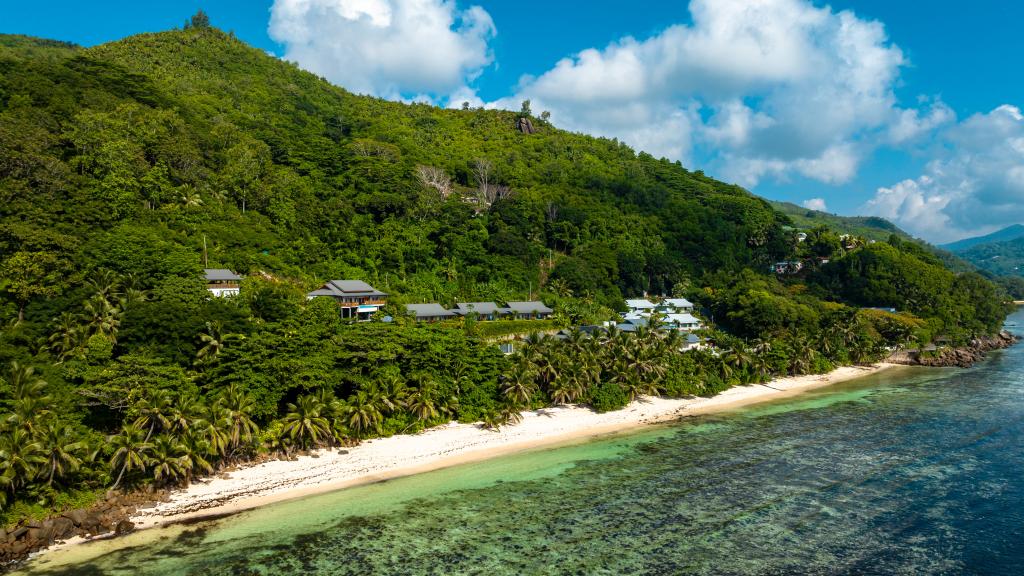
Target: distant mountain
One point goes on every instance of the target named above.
(1005, 235)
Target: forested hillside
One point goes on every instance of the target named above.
(122, 166)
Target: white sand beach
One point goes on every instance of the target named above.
(444, 446)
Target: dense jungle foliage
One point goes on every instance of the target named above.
(122, 165)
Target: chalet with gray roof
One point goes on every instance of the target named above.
(429, 312)
(532, 310)
(483, 310)
(639, 305)
(222, 282)
(356, 299)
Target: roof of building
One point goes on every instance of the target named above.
(639, 303)
(679, 302)
(464, 308)
(219, 274)
(347, 288)
(641, 321)
(429, 310)
(681, 319)
(692, 339)
(531, 307)
(626, 327)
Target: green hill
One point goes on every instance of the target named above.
(175, 136)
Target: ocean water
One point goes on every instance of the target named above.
(910, 471)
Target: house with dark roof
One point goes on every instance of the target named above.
(429, 312)
(357, 299)
(222, 282)
(483, 310)
(533, 310)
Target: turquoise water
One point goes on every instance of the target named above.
(911, 471)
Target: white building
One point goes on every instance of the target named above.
(640, 306)
(222, 282)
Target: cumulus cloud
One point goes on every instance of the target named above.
(754, 88)
(974, 186)
(400, 49)
(815, 204)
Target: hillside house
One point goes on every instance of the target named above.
(682, 322)
(640, 306)
(357, 299)
(676, 305)
(533, 310)
(483, 310)
(222, 282)
(429, 312)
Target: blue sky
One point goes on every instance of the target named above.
(863, 107)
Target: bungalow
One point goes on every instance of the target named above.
(222, 282)
(356, 298)
(684, 322)
(483, 310)
(692, 342)
(638, 306)
(677, 305)
(529, 310)
(789, 267)
(429, 312)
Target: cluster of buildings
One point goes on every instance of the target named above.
(675, 314)
(529, 310)
(360, 301)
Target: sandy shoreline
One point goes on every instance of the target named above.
(444, 446)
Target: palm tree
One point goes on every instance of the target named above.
(24, 383)
(184, 412)
(20, 456)
(61, 448)
(238, 407)
(214, 340)
(361, 413)
(166, 459)
(422, 402)
(519, 387)
(131, 448)
(194, 451)
(213, 424)
(154, 411)
(67, 338)
(304, 421)
(28, 411)
(103, 317)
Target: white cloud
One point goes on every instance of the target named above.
(815, 204)
(974, 186)
(754, 88)
(400, 49)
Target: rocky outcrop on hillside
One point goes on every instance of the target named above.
(963, 357)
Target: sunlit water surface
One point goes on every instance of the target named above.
(911, 471)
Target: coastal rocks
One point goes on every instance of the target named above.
(110, 515)
(963, 357)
